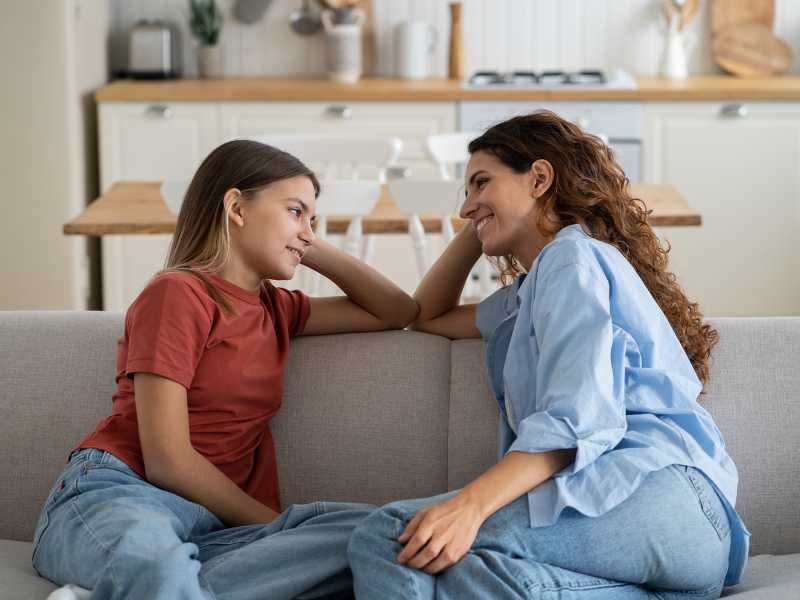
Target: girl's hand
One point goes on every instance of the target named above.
(439, 535)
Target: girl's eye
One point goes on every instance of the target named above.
(296, 211)
(481, 182)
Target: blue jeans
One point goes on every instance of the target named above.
(105, 528)
(669, 540)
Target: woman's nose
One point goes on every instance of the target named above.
(467, 208)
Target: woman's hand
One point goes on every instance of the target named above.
(440, 535)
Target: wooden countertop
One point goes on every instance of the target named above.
(137, 207)
(254, 89)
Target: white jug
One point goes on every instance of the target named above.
(414, 44)
(343, 47)
(677, 46)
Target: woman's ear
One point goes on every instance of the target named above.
(233, 206)
(542, 176)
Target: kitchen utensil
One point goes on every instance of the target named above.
(305, 21)
(250, 11)
(455, 68)
(725, 13)
(751, 50)
(414, 43)
(685, 10)
(343, 46)
(153, 51)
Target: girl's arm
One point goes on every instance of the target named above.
(173, 464)
(439, 535)
(372, 302)
(439, 292)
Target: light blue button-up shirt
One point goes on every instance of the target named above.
(581, 356)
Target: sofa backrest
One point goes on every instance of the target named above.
(382, 416)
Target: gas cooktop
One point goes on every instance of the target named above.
(542, 79)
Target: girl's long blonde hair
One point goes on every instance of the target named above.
(201, 242)
(589, 185)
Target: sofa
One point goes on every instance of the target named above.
(382, 416)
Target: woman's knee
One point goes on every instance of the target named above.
(381, 527)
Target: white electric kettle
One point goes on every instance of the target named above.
(414, 44)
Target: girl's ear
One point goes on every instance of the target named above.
(233, 206)
(542, 176)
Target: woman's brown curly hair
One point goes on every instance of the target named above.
(589, 185)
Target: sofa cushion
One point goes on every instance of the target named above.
(768, 578)
(334, 440)
(364, 418)
(754, 396)
(18, 580)
(57, 372)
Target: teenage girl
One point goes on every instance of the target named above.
(175, 493)
(612, 481)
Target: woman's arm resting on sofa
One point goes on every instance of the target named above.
(440, 290)
(173, 464)
(372, 303)
(439, 535)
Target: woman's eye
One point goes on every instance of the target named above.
(481, 182)
(297, 211)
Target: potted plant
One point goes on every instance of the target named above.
(206, 25)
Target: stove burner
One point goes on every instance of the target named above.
(545, 78)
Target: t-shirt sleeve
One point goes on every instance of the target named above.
(167, 328)
(293, 308)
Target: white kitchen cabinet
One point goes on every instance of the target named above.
(412, 122)
(147, 142)
(738, 164)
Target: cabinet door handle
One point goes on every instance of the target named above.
(160, 111)
(731, 111)
(339, 112)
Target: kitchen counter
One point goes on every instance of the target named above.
(133, 207)
(254, 89)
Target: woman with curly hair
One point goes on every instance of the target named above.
(612, 480)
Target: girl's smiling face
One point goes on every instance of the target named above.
(502, 205)
(271, 231)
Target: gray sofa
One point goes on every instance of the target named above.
(377, 417)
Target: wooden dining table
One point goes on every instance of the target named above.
(137, 207)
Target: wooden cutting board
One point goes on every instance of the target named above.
(725, 13)
(751, 50)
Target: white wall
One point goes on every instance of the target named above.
(53, 57)
(498, 34)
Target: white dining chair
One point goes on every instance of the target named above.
(415, 197)
(450, 152)
(342, 157)
(355, 198)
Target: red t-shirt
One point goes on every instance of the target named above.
(230, 365)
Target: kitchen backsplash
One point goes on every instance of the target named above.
(497, 34)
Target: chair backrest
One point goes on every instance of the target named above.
(355, 198)
(339, 156)
(449, 151)
(417, 196)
